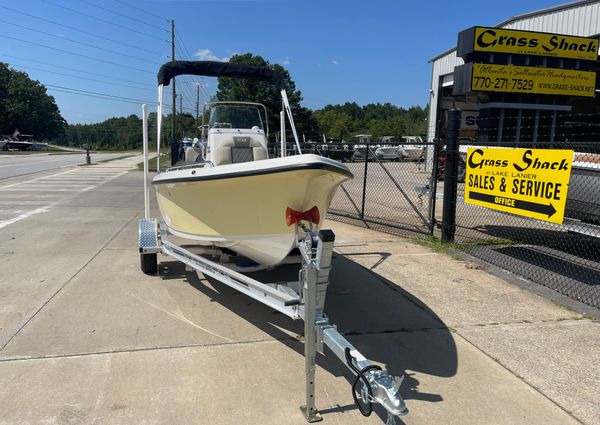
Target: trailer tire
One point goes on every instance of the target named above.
(149, 263)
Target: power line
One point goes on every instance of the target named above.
(78, 30)
(203, 89)
(98, 94)
(101, 96)
(183, 45)
(75, 54)
(119, 14)
(76, 76)
(141, 10)
(104, 96)
(69, 68)
(191, 80)
(103, 20)
(114, 52)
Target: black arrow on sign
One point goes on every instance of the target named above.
(548, 210)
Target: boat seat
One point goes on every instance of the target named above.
(192, 155)
(239, 149)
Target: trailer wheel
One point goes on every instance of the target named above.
(148, 263)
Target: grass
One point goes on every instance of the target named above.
(433, 243)
(113, 159)
(436, 245)
(165, 162)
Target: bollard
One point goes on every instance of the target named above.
(175, 152)
(88, 160)
(364, 192)
(450, 176)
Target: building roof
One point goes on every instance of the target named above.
(570, 5)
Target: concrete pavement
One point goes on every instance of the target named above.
(85, 337)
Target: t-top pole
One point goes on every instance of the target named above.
(145, 149)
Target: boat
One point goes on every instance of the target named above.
(389, 153)
(361, 147)
(412, 147)
(583, 199)
(19, 145)
(233, 195)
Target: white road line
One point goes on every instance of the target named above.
(32, 163)
(36, 179)
(42, 189)
(24, 216)
(47, 191)
(46, 185)
(72, 179)
(23, 203)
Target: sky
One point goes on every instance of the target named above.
(99, 58)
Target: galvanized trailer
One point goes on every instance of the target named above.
(298, 299)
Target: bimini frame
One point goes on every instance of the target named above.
(222, 69)
(302, 299)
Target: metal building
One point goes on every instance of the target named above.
(578, 18)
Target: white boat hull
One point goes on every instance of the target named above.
(243, 206)
(413, 152)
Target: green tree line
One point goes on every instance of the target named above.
(25, 106)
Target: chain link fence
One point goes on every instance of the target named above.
(399, 189)
(391, 188)
(564, 257)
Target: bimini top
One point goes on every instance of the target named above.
(217, 69)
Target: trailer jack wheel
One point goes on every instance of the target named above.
(149, 263)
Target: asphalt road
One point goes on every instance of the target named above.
(19, 165)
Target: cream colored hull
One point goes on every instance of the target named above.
(247, 214)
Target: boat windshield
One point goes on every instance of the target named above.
(235, 116)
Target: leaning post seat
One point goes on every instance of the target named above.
(233, 149)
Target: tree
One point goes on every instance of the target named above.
(376, 119)
(230, 89)
(25, 105)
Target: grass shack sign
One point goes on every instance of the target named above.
(528, 182)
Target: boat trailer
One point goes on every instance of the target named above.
(303, 299)
(300, 299)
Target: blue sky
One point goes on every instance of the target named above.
(336, 51)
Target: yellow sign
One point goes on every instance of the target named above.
(529, 182)
(535, 43)
(529, 79)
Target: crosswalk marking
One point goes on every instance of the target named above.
(38, 195)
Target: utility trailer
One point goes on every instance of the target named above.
(301, 299)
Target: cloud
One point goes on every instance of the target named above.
(333, 61)
(208, 55)
(285, 61)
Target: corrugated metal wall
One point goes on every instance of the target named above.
(582, 20)
(443, 66)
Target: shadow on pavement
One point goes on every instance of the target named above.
(387, 324)
(567, 262)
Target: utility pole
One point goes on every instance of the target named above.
(174, 112)
(197, 103)
(181, 114)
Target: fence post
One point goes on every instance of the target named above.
(450, 176)
(364, 194)
(433, 185)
